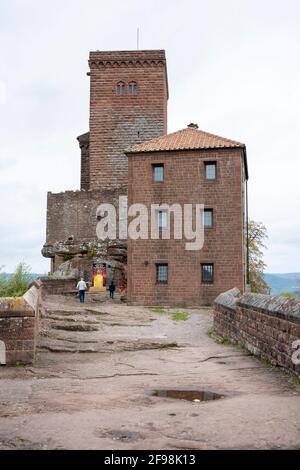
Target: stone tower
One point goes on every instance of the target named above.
(128, 105)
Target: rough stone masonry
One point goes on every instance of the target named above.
(267, 326)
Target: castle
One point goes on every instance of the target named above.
(128, 152)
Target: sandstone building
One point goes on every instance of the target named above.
(128, 150)
(195, 167)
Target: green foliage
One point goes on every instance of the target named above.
(257, 234)
(157, 310)
(2, 280)
(287, 294)
(218, 339)
(90, 252)
(295, 381)
(17, 285)
(180, 316)
(227, 342)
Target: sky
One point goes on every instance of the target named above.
(233, 68)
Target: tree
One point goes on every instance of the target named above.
(257, 234)
(2, 281)
(298, 289)
(17, 285)
(287, 294)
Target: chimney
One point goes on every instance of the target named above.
(192, 125)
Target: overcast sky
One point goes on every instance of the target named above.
(233, 68)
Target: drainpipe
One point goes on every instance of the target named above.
(247, 231)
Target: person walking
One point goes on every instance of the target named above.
(112, 288)
(82, 287)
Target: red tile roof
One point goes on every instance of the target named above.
(189, 138)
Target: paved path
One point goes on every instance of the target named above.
(96, 364)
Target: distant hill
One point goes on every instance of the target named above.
(283, 282)
(32, 276)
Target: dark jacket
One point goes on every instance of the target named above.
(112, 286)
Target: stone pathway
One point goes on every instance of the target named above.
(97, 363)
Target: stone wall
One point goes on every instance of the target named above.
(19, 326)
(265, 325)
(53, 286)
(72, 215)
(71, 230)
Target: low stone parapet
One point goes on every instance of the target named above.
(57, 286)
(19, 326)
(267, 326)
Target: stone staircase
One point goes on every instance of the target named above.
(94, 326)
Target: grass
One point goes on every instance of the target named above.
(157, 310)
(176, 316)
(220, 340)
(295, 381)
(180, 316)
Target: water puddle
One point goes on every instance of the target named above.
(190, 395)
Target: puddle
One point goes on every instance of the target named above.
(190, 395)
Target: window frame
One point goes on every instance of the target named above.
(154, 167)
(118, 86)
(212, 273)
(157, 266)
(211, 163)
(160, 219)
(210, 210)
(132, 88)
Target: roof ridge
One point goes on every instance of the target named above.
(215, 135)
(184, 139)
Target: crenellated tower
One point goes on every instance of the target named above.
(128, 105)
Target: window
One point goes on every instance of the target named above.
(162, 217)
(210, 170)
(162, 274)
(132, 88)
(121, 89)
(207, 273)
(158, 173)
(208, 218)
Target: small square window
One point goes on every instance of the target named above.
(208, 218)
(207, 273)
(210, 170)
(162, 274)
(158, 173)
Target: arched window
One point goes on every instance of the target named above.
(132, 88)
(121, 89)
